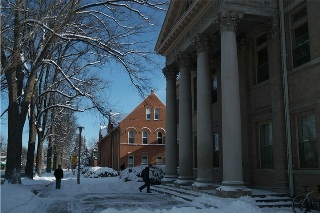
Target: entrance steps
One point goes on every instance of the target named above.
(263, 199)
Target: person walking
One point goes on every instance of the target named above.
(146, 178)
(58, 173)
(122, 167)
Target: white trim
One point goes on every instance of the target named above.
(133, 128)
(143, 128)
(160, 128)
(148, 108)
(142, 137)
(129, 137)
(154, 114)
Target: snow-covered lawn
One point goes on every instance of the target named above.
(108, 195)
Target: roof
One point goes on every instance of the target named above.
(116, 118)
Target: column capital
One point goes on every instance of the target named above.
(202, 42)
(169, 73)
(228, 20)
(184, 59)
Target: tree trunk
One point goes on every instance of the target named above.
(55, 165)
(49, 156)
(39, 153)
(31, 143)
(14, 150)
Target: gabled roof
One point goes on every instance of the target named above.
(146, 101)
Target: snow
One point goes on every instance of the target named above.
(111, 195)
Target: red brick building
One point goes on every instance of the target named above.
(136, 138)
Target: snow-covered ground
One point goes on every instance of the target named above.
(109, 195)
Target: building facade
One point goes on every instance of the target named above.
(137, 138)
(243, 87)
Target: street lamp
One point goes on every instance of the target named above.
(78, 176)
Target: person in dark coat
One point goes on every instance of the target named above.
(146, 179)
(122, 167)
(58, 173)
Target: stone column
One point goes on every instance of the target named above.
(185, 123)
(171, 126)
(231, 116)
(204, 114)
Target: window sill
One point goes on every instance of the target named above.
(304, 66)
(307, 171)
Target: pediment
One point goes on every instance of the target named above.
(180, 16)
(175, 12)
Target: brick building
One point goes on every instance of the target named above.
(137, 138)
(247, 104)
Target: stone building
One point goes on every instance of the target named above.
(243, 94)
(135, 139)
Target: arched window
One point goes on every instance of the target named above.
(144, 137)
(131, 137)
(159, 137)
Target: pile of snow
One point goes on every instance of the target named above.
(97, 172)
(133, 174)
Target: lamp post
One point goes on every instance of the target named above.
(78, 176)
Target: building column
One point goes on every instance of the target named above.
(185, 122)
(204, 114)
(231, 115)
(171, 126)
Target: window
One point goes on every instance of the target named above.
(148, 113)
(144, 137)
(214, 89)
(130, 161)
(130, 137)
(159, 160)
(262, 58)
(308, 155)
(266, 145)
(159, 137)
(300, 38)
(144, 160)
(156, 114)
(215, 150)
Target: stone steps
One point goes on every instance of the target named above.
(184, 194)
(263, 200)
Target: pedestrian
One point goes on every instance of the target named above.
(58, 173)
(146, 178)
(122, 167)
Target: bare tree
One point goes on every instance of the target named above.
(33, 30)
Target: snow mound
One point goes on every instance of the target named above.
(97, 172)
